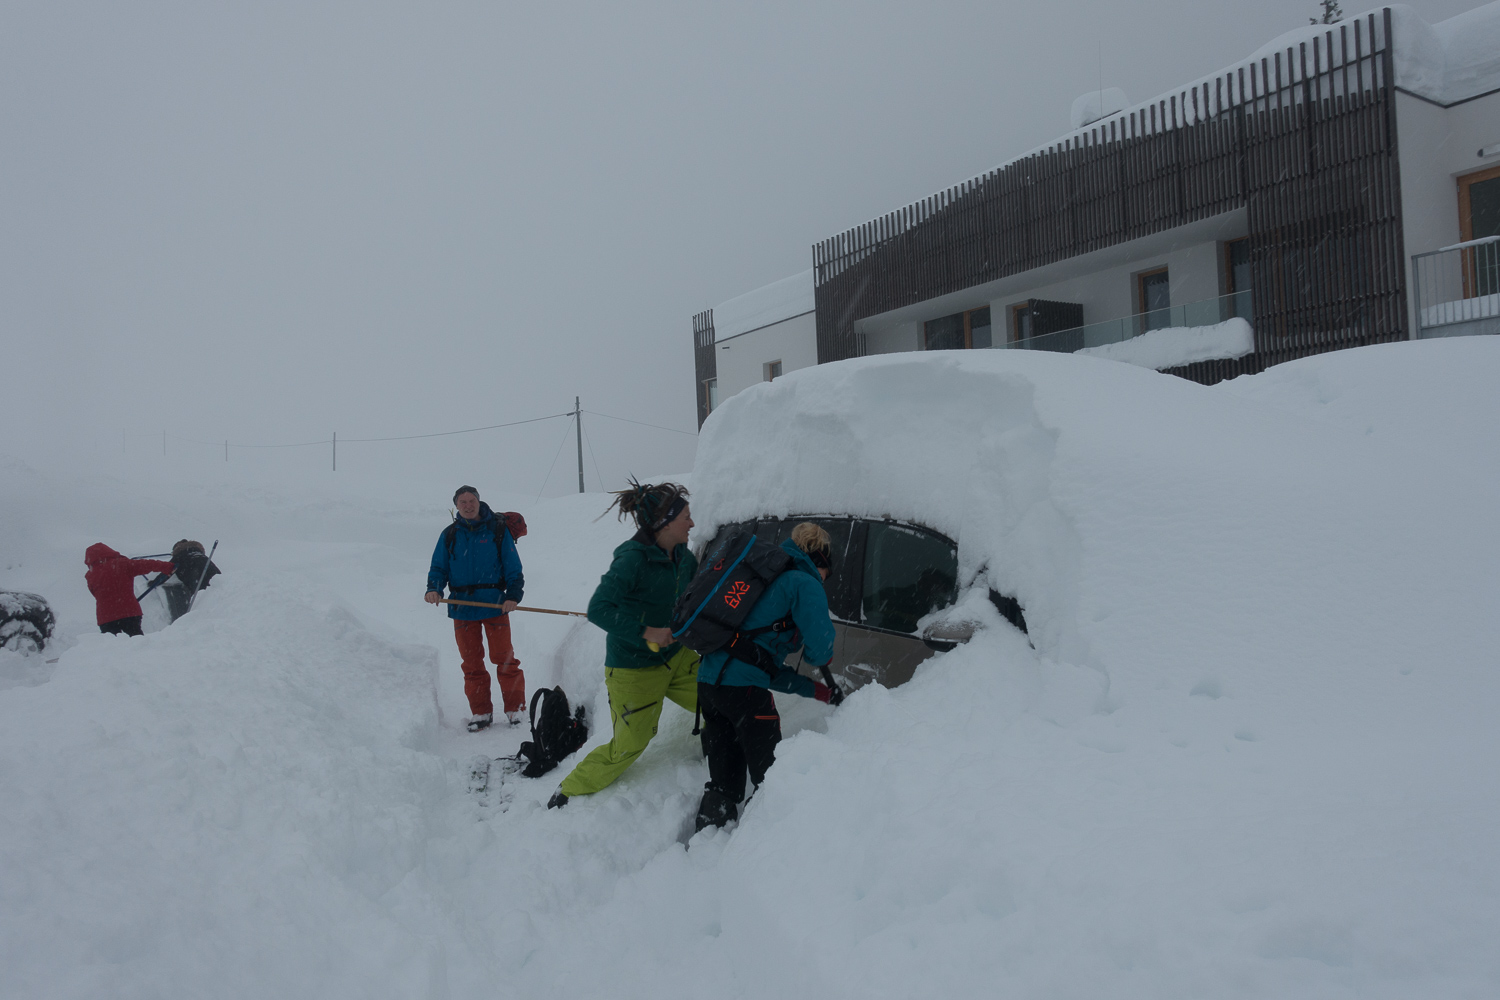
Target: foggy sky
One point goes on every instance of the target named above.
(266, 222)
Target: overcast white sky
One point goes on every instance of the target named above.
(270, 221)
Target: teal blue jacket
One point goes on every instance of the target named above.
(797, 592)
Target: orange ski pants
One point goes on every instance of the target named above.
(470, 635)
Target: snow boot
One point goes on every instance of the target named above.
(514, 718)
(716, 809)
(481, 722)
(557, 801)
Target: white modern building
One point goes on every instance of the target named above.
(1339, 187)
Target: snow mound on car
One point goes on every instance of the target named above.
(1117, 504)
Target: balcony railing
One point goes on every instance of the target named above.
(1458, 289)
(1205, 313)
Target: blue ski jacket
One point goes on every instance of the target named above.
(477, 561)
(797, 592)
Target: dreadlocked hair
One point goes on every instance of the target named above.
(646, 503)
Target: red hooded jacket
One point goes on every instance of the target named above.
(111, 579)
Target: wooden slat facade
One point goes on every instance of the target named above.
(1304, 140)
(705, 363)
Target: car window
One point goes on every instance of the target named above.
(908, 573)
(843, 583)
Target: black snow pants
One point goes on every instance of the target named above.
(741, 728)
(122, 626)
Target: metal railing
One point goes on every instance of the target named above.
(1205, 313)
(1457, 289)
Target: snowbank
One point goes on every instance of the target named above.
(1180, 345)
(1263, 671)
(768, 304)
(1250, 754)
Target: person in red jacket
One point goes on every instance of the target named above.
(111, 579)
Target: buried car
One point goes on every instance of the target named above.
(887, 577)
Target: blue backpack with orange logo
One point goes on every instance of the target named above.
(731, 578)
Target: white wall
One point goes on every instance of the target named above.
(740, 362)
(1194, 271)
(1435, 146)
(1103, 281)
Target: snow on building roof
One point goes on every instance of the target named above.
(1446, 62)
(780, 300)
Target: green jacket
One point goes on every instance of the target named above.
(639, 591)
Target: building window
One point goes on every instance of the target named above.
(1042, 325)
(772, 370)
(958, 332)
(1479, 204)
(1237, 279)
(710, 395)
(1478, 217)
(1155, 299)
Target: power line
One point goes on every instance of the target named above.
(554, 462)
(627, 420)
(403, 437)
(470, 430)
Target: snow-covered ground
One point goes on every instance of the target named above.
(1252, 754)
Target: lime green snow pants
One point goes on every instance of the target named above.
(635, 701)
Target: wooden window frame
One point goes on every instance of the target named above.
(1015, 320)
(765, 371)
(1465, 213)
(1140, 286)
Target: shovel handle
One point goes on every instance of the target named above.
(536, 611)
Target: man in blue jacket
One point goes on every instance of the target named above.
(476, 560)
(741, 726)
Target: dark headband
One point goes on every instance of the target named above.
(676, 507)
(464, 489)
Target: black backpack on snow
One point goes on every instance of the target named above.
(554, 732)
(731, 578)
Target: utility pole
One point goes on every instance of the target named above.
(578, 428)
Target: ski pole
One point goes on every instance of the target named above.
(202, 576)
(535, 611)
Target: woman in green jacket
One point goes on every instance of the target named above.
(643, 667)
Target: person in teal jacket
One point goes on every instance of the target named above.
(643, 667)
(741, 726)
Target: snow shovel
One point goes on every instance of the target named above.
(535, 611)
(150, 587)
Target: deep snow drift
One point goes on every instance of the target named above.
(1252, 753)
